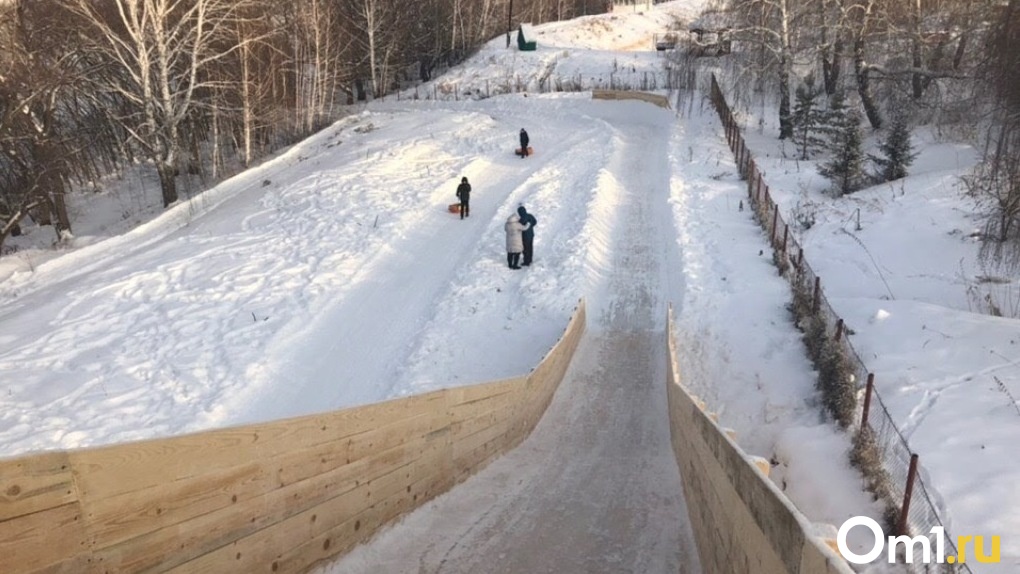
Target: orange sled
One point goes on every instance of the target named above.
(531, 151)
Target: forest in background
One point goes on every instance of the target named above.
(889, 66)
(206, 87)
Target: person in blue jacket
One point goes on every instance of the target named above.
(528, 235)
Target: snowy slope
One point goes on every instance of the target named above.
(333, 275)
(899, 262)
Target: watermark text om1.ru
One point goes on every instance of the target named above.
(909, 544)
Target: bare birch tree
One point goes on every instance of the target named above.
(159, 51)
(770, 25)
(377, 25)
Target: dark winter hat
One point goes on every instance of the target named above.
(521, 211)
(463, 180)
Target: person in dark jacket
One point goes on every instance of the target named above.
(464, 195)
(524, 143)
(529, 234)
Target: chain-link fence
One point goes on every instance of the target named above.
(880, 450)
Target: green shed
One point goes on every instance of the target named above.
(525, 43)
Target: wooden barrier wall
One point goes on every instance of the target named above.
(656, 99)
(743, 524)
(272, 497)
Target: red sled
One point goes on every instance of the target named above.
(519, 153)
(454, 207)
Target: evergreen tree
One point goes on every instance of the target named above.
(806, 118)
(897, 151)
(845, 167)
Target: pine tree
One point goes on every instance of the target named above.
(845, 167)
(897, 151)
(806, 118)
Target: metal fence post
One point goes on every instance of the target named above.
(867, 401)
(911, 475)
(818, 296)
(775, 221)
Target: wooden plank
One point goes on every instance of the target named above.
(108, 471)
(119, 518)
(497, 412)
(399, 432)
(259, 550)
(467, 445)
(191, 538)
(340, 539)
(129, 515)
(413, 432)
(470, 393)
(477, 424)
(34, 483)
(467, 410)
(469, 462)
(52, 539)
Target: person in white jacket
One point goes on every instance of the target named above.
(514, 240)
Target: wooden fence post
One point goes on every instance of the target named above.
(786, 234)
(905, 511)
(839, 330)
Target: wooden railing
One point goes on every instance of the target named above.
(272, 497)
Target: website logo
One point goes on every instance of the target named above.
(910, 545)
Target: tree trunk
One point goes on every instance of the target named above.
(961, 48)
(916, 79)
(60, 211)
(247, 113)
(167, 182)
(864, 84)
(831, 57)
(785, 121)
(831, 67)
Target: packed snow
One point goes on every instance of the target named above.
(334, 275)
